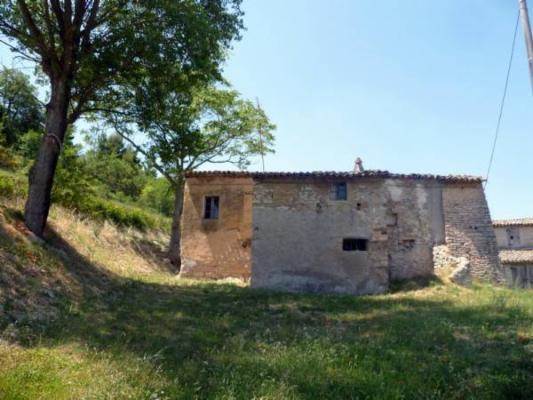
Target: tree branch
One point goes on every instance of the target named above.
(149, 157)
(35, 31)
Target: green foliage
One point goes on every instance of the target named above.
(116, 167)
(77, 189)
(121, 41)
(78, 193)
(158, 195)
(93, 52)
(72, 183)
(20, 110)
(29, 143)
(121, 214)
(187, 130)
(12, 185)
(8, 159)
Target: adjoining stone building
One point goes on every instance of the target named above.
(515, 241)
(333, 231)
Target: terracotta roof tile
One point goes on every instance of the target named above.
(336, 174)
(516, 256)
(513, 222)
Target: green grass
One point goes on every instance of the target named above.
(119, 335)
(224, 341)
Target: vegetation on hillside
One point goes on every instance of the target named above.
(96, 312)
(92, 53)
(186, 131)
(104, 178)
(90, 307)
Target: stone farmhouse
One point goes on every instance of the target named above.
(515, 241)
(343, 232)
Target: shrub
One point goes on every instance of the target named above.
(12, 185)
(158, 196)
(29, 143)
(121, 214)
(8, 160)
(7, 187)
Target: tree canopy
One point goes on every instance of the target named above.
(20, 110)
(91, 50)
(185, 130)
(98, 45)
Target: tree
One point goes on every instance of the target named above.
(88, 48)
(20, 110)
(116, 166)
(157, 195)
(209, 125)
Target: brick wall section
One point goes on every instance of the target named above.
(220, 248)
(469, 232)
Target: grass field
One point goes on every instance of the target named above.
(124, 327)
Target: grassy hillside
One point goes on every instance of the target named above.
(13, 185)
(96, 313)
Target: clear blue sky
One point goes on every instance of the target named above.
(408, 86)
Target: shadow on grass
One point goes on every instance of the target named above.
(154, 253)
(215, 340)
(418, 283)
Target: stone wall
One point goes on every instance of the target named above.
(514, 237)
(519, 275)
(469, 231)
(417, 207)
(217, 248)
(287, 233)
(299, 231)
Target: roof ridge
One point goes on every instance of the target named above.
(337, 174)
(513, 221)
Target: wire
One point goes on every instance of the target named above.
(502, 104)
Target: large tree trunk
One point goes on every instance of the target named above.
(174, 247)
(42, 173)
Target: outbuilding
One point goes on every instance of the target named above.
(343, 232)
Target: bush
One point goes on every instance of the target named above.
(7, 187)
(29, 143)
(120, 214)
(158, 196)
(12, 185)
(8, 160)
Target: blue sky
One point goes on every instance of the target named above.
(408, 86)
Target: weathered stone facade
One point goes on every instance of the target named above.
(292, 232)
(514, 234)
(515, 241)
(217, 248)
(469, 231)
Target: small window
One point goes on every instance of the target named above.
(354, 244)
(341, 191)
(211, 207)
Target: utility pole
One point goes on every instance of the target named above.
(529, 36)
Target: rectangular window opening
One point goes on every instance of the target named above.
(355, 244)
(341, 191)
(211, 207)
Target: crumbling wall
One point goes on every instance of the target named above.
(287, 233)
(469, 231)
(299, 231)
(417, 207)
(217, 248)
